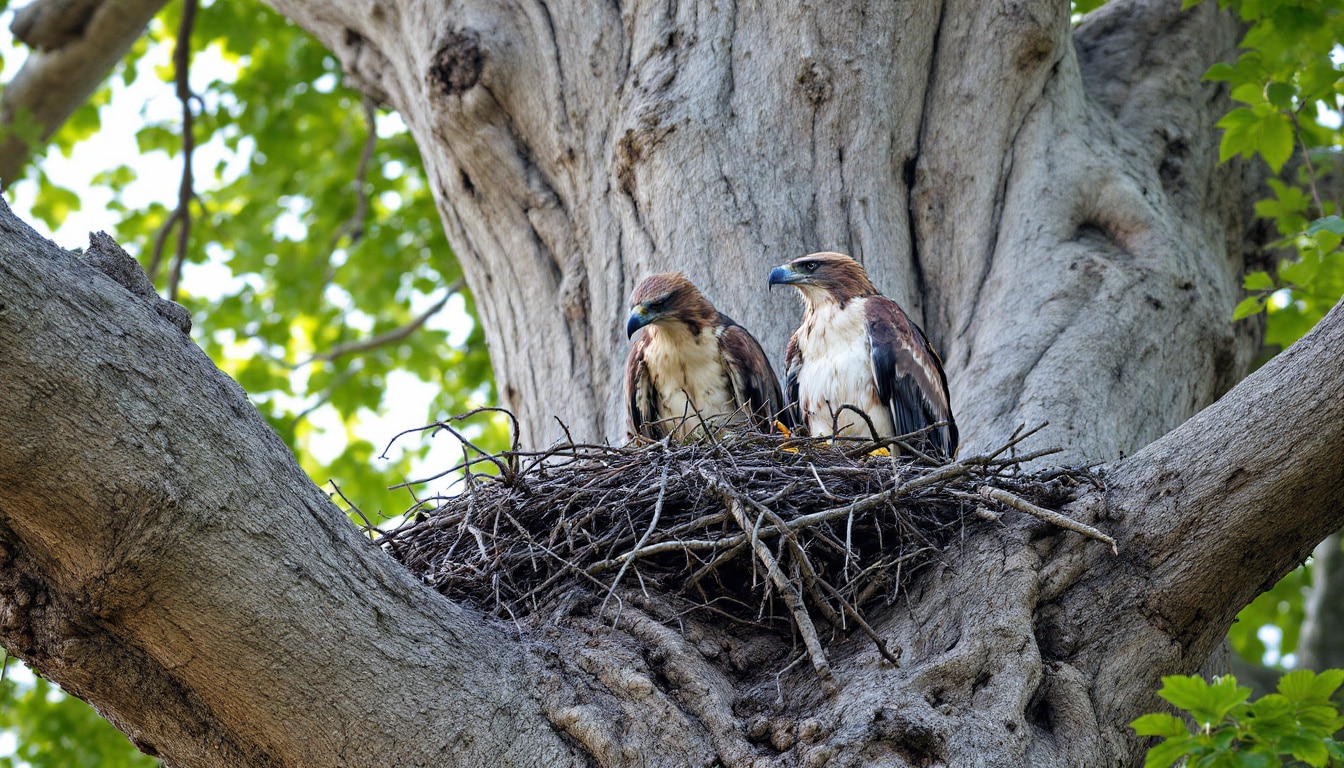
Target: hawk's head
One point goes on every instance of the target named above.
(822, 276)
(669, 298)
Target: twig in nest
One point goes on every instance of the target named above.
(653, 524)
(781, 582)
(833, 536)
(1054, 518)
(894, 658)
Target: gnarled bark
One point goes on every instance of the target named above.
(235, 623)
(1047, 200)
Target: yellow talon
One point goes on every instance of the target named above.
(783, 429)
(880, 452)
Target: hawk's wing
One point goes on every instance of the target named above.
(908, 374)
(753, 380)
(793, 362)
(641, 399)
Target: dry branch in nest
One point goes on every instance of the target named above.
(790, 533)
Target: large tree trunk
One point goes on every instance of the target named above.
(1038, 196)
(1046, 200)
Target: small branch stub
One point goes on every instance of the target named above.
(1054, 518)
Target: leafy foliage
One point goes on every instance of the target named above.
(292, 258)
(55, 730)
(1286, 85)
(1286, 88)
(1297, 722)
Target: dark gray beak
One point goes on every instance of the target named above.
(781, 276)
(639, 317)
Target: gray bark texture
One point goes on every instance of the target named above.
(1046, 199)
(1036, 195)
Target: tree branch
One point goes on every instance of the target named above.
(185, 192)
(1249, 485)
(51, 24)
(166, 558)
(52, 84)
(1206, 517)
(387, 337)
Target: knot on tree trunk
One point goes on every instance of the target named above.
(457, 64)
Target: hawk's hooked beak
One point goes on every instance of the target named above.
(639, 317)
(783, 276)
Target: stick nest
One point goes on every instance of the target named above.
(761, 529)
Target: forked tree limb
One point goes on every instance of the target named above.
(166, 558)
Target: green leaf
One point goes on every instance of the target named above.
(1332, 224)
(1159, 724)
(1247, 133)
(1251, 760)
(54, 203)
(1165, 754)
(1258, 281)
(1220, 72)
(1271, 717)
(1206, 703)
(1335, 749)
(1327, 683)
(1248, 306)
(1249, 93)
(1309, 750)
(1297, 686)
(1281, 95)
(1320, 720)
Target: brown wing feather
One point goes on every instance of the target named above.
(793, 363)
(753, 380)
(908, 374)
(641, 407)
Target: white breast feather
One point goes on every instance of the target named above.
(837, 370)
(687, 370)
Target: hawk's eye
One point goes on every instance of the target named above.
(809, 266)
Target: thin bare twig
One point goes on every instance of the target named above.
(1311, 170)
(369, 527)
(653, 524)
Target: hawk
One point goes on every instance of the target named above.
(857, 347)
(692, 363)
